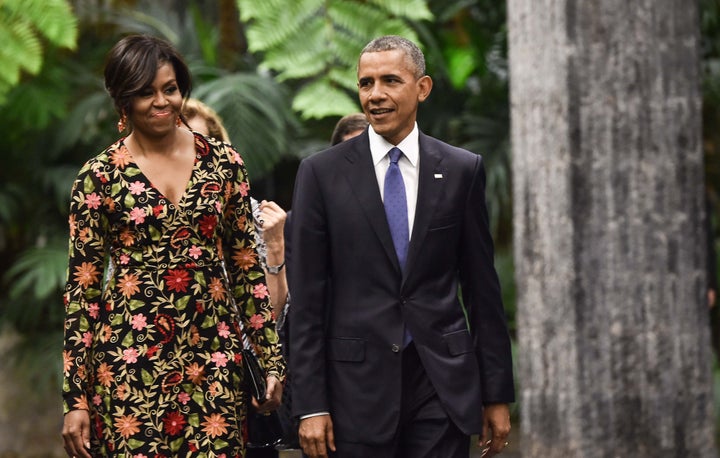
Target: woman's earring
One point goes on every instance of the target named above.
(178, 121)
(122, 123)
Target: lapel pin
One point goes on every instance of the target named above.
(438, 176)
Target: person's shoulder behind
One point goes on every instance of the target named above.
(447, 150)
(339, 153)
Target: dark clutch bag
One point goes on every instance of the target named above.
(254, 375)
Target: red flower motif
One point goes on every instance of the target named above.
(157, 209)
(177, 280)
(174, 422)
(207, 225)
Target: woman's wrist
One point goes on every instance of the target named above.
(275, 269)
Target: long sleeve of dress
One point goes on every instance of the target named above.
(246, 273)
(88, 225)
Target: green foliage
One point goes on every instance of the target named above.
(22, 25)
(37, 276)
(255, 112)
(318, 42)
(466, 54)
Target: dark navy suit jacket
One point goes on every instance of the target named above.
(350, 300)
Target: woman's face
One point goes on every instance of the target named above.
(156, 108)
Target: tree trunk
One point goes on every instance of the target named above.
(614, 347)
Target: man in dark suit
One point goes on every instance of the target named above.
(386, 359)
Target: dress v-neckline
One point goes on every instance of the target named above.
(149, 182)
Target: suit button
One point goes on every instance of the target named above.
(395, 348)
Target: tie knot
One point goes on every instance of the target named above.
(395, 154)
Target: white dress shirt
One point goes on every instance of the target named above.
(409, 164)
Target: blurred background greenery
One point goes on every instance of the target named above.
(280, 73)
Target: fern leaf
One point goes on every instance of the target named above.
(53, 19)
(320, 99)
(21, 50)
(412, 9)
(320, 41)
(287, 20)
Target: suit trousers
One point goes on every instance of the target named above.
(425, 430)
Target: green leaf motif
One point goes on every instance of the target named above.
(176, 444)
(220, 444)
(128, 341)
(197, 396)
(193, 419)
(135, 443)
(208, 322)
(181, 303)
(146, 377)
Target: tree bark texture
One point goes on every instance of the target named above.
(614, 352)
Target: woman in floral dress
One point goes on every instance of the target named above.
(152, 359)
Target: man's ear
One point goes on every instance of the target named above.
(425, 84)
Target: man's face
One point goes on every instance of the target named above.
(389, 93)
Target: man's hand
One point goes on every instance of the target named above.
(273, 396)
(76, 434)
(316, 436)
(496, 427)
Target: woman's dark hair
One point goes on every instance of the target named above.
(131, 66)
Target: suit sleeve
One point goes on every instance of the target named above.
(309, 274)
(482, 298)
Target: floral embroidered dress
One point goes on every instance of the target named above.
(154, 354)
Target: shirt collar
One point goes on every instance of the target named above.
(379, 147)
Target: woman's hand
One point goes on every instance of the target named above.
(273, 221)
(76, 433)
(273, 396)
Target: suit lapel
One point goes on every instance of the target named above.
(360, 173)
(431, 180)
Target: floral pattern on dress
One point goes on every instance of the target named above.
(152, 348)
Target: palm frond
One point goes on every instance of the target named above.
(256, 114)
(38, 274)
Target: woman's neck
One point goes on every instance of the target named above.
(165, 145)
